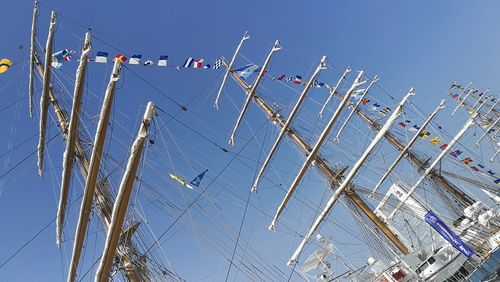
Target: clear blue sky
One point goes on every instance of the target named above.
(421, 44)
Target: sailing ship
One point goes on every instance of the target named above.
(419, 207)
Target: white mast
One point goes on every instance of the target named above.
(332, 90)
(462, 100)
(407, 148)
(72, 135)
(375, 79)
(122, 198)
(314, 151)
(32, 59)
(495, 155)
(487, 131)
(251, 93)
(230, 67)
(44, 99)
(95, 161)
(347, 181)
(492, 107)
(333, 175)
(284, 129)
(455, 139)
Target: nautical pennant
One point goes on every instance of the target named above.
(467, 160)
(404, 123)
(198, 63)
(297, 79)
(162, 61)
(196, 182)
(59, 57)
(120, 57)
(435, 140)
(456, 153)
(217, 64)
(424, 134)
(414, 128)
(318, 84)
(135, 60)
(101, 57)
(247, 70)
(188, 63)
(385, 111)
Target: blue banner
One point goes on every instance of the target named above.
(448, 234)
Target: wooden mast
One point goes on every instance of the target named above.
(32, 59)
(44, 99)
(332, 175)
(69, 153)
(103, 196)
(347, 181)
(95, 161)
(122, 198)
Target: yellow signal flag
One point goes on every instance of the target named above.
(435, 140)
(180, 180)
(5, 64)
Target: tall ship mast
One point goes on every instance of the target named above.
(241, 167)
